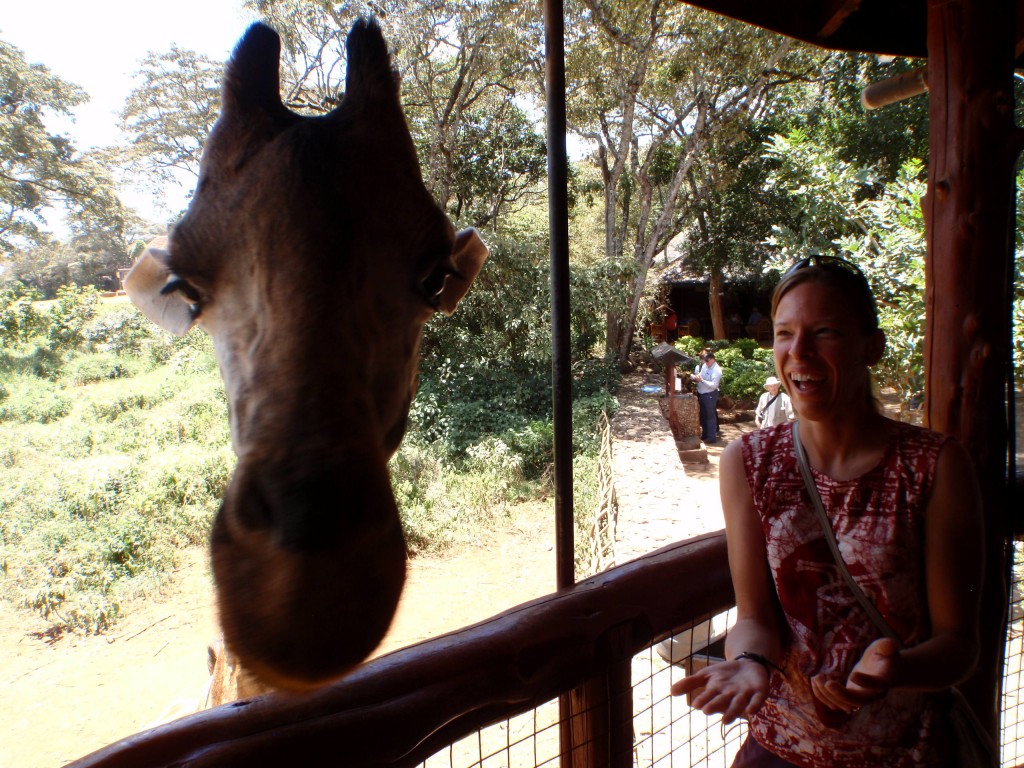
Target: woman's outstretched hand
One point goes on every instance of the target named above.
(870, 679)
(729, 688)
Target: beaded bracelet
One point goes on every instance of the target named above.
(762, 660)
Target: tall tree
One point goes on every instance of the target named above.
(743, 216)
(732, 211)
(39, 169)
(466, 70)
(168, 115)
(846, 210)
(651, 86)
(883, 139)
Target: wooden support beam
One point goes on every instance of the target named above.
(968, 212)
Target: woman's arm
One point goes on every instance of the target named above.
(756, 629)
(954, 557)
(738, 687)
(953, 576)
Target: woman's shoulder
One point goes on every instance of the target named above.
(916, 450)
(914, 436)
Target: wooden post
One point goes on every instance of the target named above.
(968, 212)
(601, 721)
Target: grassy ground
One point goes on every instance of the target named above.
(111, 464)
(115, 452)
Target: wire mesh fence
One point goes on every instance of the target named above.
(667, 732)
(1011, 734)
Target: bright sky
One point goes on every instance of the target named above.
(98, 44)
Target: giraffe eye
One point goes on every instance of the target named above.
(186, 292)
(432, 286)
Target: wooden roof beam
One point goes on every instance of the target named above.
(834, 15)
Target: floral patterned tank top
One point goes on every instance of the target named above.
(878, 519)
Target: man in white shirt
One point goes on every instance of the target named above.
(708, 379)
(774, 407)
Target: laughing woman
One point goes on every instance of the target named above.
(822, 683)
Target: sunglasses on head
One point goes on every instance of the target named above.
(825, 262)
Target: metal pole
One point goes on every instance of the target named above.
(558, 222)
(577, 747)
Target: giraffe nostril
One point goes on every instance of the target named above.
(309, 512)
(306, 516)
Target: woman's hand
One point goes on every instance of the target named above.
(729, 688)
(871, 678)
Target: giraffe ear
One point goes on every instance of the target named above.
(469, 256)
(145, 287)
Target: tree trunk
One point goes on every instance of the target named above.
(968, 212)
(716, 290)
(613, 334)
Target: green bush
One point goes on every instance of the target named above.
(746, 346)
(102, 366)
(104, 527)
(415, 472)
(691, 346)
(106, 478)
(586, 411)
(486, 370)
(124, 330)
(729, 357)
(44, 363)
(586, 496)
(71, 313)
(18, 322)
(441, 505)
(190, 354)
(743, 379)
(32, 401)
(121, 402)
(534, 444)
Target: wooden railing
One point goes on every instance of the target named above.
(399, 709)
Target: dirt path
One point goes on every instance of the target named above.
(67, 698)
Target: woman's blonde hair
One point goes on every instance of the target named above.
(836, 273)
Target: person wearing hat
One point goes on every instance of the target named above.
(774, 407)
(708, 379)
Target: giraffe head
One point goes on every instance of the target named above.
(312, 253)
